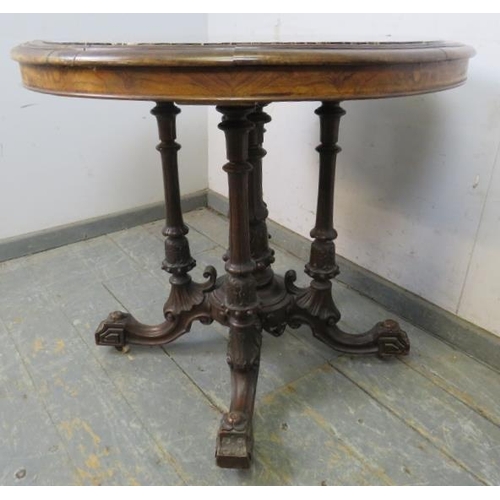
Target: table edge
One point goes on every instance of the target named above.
(171, 55)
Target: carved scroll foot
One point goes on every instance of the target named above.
(234, 441)
(314, 306)
(111, 331)
(391, 340)
(187, 302)
(385, 339)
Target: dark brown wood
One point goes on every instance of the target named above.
(235, 439)
(241, 79)
(260, 72)
(187, 300)
(178, 260)
(259, 237)
(322, 265)
(314, 305)
(270, 288)
(250, 297)
(272, 295)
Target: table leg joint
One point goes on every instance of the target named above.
(187, 302)
(315, 307)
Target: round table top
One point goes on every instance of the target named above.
(242, 72)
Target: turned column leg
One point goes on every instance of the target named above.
(235, 439)
(178, 260)
(322, 266)
(187, 300)
(314, 305)
(259, 237)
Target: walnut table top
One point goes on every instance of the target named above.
(242, 72)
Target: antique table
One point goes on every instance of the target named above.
(240, 79)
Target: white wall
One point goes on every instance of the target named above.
(418, 192)
(64, 159)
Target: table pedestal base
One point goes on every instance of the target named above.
(250, 297)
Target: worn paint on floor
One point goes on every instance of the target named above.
(75, 413)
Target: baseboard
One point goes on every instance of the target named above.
(40, 241)
(473, 340)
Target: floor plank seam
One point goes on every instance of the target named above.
(168, 457)
(213, 404)
(283, 388)
(221, 217)
(114, 296)
(126, 255)
(318, 420)
(377, 471)
(476, 360)
(216, 245)
(416, 429)
(443, 386)
(142, 267)
(304, 342)
(42, 401)
(441, 339)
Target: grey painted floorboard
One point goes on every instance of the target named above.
(396, 451)
(211, 224)
(202, 355)
(470, 381)
(32, 452)
(105, 259)
(197, 242)
(448, 423)
(98, 428)
(303, 452)
(144, 249)
(178, 415)
(451, 369)
(75, 413)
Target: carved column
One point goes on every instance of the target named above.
(322, 266)
(314, 305)
(187, 300)
(235, 440)
(259, 238)
(178, 260)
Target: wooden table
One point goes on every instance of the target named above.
(240, 79)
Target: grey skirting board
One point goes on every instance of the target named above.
(40, 241)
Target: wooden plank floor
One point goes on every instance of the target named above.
(75, 413)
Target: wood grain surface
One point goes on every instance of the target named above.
(249, 72)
